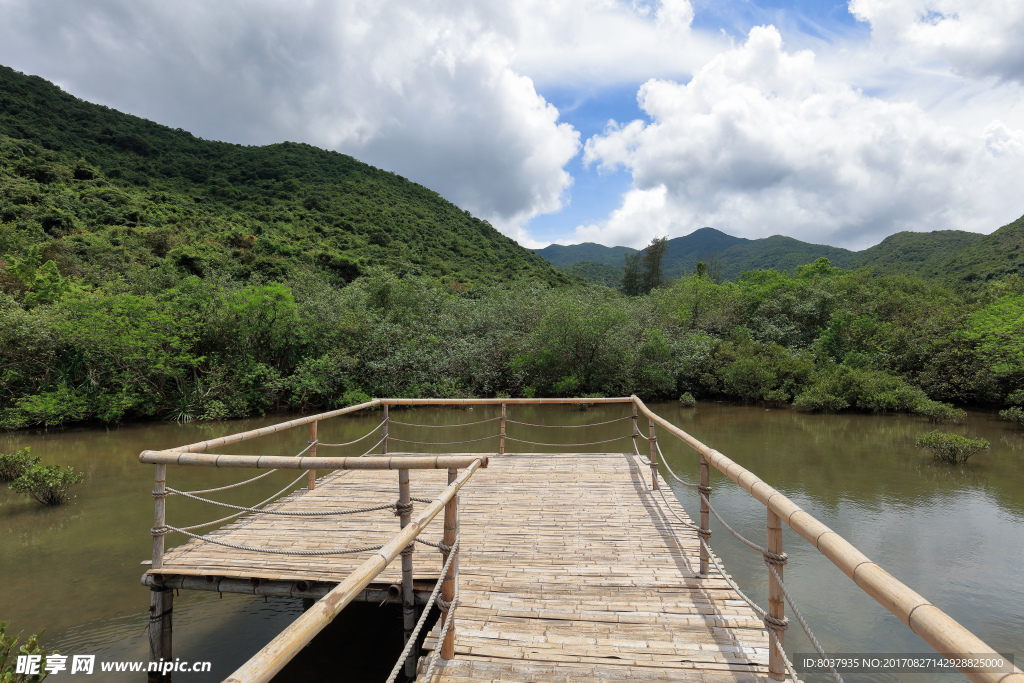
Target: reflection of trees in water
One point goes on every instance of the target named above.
(867, 460)
(30, 524)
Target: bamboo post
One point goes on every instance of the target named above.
(636, 432)
(654, 459)
(160, 598)
(776, 602)
(501, 445)
(312, 454)
(705, 513)
(408, 595)
(451, 528)
(384, 441)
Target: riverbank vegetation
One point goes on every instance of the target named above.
(8, 657)
(951, 448)
(213, 347)
(146, 273)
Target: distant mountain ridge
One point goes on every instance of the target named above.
(950, 255)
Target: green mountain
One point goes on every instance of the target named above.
(948, 255)
(562, 256)
(108, 195)
(986, 258)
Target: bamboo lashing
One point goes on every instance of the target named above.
(266, 663)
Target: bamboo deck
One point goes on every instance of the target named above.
(570, 569)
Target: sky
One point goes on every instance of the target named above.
(609, 121)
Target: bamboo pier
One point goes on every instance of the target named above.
(560, 566)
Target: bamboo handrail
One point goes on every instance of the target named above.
(934, 626)
(284, 462)
(201, 446)
(496, 401)
(266, 663)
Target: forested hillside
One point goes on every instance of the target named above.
(147, 274)
(111, 193)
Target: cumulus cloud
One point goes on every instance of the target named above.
(976, 37)
(425, 89)
(760, 142)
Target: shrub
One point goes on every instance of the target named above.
(9, 657)
(819, 400)
(1014, 414)
(937, 411)
(48, 484)
(13, 465)
(862, 388)
(687, 400)
(951, 448)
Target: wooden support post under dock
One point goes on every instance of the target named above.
(408, 594)
(161, 600)
(451, 529)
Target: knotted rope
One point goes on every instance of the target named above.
(461, 424)
(592, 424)
(434, 597)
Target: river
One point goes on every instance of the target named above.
(955, 534)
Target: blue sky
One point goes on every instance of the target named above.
(832, 122)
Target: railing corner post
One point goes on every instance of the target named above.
(160, 599)
(451, 530)
(312, 453)
(408, 593)
(705, 514)
(776, 601)
(501, 445)
(384, 441)
(654, 457)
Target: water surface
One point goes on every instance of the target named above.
(954, 534)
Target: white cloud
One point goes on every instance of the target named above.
(977, 37)
(425, 89)
(760, 142)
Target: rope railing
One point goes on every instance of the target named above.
(271, 551)
(442, 443)
(592, 424)
(347, 443)
(434, 595)
(773, 625)
(239, 514)
(434, 659)
(323, 513)
(451, 426)
(567, 445)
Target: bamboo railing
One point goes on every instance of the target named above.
(944, 634)
(934, 626)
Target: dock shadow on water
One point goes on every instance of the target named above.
(954, 534)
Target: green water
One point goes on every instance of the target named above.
(954, 534)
